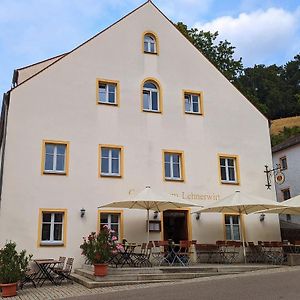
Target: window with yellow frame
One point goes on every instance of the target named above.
(110, 161)
(108, 92)
(193, 102)
(55, 157)
(229, 169)
(232, 227)
(173, 165)
(52, 227)
(150, 43)
(113, 220)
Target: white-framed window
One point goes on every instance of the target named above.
(232, 227)
(151, 97)
(52, 231)
(107, 92)
(283, 163)
(192, 103)
(55, 160)
(173, 166)
(110, 161)
(150, 43)
(228, 170)
(113, 221)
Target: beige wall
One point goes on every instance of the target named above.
(60, 104)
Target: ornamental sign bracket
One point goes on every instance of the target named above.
(276, 172)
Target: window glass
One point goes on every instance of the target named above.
(149, 44)
(146, 97)
(55, 156)
(52, 227)
(228, 170)
(176, 171)
(192, 103)
(112, 220)
(150, 85)
(115, 166)
(154, 101)
(104, 165)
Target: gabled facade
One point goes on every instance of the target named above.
(136, 105)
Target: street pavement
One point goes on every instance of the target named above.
(267, 285)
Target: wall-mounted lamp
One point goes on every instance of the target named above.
(155, 214)
(198, 216)
(82, 212)
(262, 217)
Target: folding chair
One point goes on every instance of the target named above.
(65, 273)
(29, 278)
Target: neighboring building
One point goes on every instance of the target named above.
(287, 155)
(135, 105)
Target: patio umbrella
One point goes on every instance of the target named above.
(148, 200)
(240, 203)
(291, 207)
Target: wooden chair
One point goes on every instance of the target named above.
(29, 278)
(65, 273)
(61, 264)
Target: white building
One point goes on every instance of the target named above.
(287, 155)
(135, 105)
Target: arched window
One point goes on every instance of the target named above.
(151, 96)
(150, 43)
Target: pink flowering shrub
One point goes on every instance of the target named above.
(99, 248)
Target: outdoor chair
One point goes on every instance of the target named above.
(28, 278)
(230, 251)
(184, 254)
(160, 253)
(207, 253)
(65, 273)
(61, 264)
(253, 253)
(142, 259)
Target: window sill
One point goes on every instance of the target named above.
(110, 176)
(107, 103)
(54, 173)
(193, 113)
(174, 179)
(52, 244)
(152, 111)
(153, 53)
(230, 182)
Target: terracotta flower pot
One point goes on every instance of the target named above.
(9, 289)
(100, 269)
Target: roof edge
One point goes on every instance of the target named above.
(93, 37)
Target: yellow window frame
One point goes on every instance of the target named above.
(121, 148)
(40, 224)
(182, 165)
(55, 142)
(108, 81)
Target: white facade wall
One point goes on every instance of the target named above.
(60, 104)
(292, 175)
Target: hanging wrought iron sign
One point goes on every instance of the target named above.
(276, 172)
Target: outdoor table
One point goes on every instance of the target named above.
(125, 256)
(45, 267)
(173, 255)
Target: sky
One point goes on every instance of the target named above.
(263, 31)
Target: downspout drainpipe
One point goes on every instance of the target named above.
(5, 103)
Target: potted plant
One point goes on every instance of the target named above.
(13, 266)
(98, 248)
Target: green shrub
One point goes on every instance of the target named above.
(13, 265)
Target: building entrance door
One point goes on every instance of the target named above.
(175, 225)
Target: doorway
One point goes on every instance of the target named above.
(175, 225)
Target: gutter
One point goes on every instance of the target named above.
(3, 129)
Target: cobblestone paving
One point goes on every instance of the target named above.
(48, 292)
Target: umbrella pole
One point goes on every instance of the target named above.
(243, 239)
(148, 229)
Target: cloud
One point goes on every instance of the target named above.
(260, 36)
(187, 11)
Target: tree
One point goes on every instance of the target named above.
(219, 53)
(274, 90)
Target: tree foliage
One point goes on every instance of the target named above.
(219, 53)
(283, 135)
(274, 90)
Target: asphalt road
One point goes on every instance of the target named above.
(265, 285)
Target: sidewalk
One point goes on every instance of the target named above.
(77, 290)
